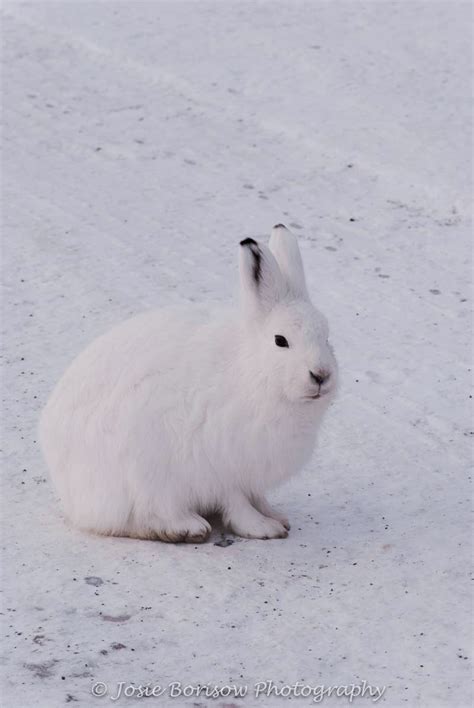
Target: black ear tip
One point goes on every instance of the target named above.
(257, 258)
(248, 242)
(279, 226)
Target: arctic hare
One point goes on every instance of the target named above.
(184, 411)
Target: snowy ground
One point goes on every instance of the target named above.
(142, 141)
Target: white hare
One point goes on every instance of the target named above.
(182, 412)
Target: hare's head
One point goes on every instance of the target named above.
(289, 335)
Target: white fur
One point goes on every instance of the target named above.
(180, 412)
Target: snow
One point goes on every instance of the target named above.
(142, 141)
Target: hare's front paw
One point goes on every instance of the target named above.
(263, 528)
(282, 519)
(261, 504)
(246, 521)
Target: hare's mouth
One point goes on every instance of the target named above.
(315, 396)
(320, 392)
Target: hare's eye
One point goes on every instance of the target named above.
(281, 341)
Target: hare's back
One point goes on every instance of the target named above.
(154, 344)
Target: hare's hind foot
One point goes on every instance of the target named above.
(189, 529)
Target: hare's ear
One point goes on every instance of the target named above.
(261, 281)
(284, 246)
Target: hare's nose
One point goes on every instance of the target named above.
(320, 377)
